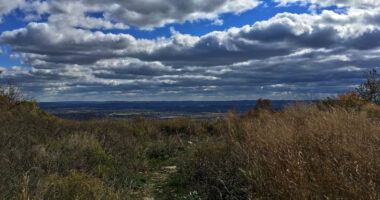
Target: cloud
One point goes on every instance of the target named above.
(149, 14)
(218, 22)
(281, 35)
(326, 3)
(82, 21)
(286, 56)
(7, 6)
(46, 43)
(120, 14)
(130, 69)
(304, 72)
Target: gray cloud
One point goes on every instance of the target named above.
(129, 69)
(120, 14)
(321, 72)
(288, 56)
(145, 14)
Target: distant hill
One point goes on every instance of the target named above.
(154, 109)
(162, 106)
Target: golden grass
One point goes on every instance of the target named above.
(300, 153)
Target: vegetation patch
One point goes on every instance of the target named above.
(326, 150)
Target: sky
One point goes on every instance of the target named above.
(173, 50)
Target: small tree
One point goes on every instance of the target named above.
(370, 90)
(263, 105)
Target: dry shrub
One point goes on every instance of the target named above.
(9, 96)
(75, 186)
(350, 101)
(372, 110)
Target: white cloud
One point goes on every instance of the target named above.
(218, 22)
(7, 6)
(326, 3)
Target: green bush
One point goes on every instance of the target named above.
(164, 148)
(213, 170)
(84, 153)
(180, 126)
(75, 186)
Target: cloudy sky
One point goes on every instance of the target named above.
(97, 50)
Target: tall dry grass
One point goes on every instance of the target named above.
(300, 153)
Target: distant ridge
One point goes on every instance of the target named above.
(163, 106)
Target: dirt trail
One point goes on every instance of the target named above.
(154, 188)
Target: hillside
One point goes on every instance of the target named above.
(303, 152)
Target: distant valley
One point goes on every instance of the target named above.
(154, 110)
